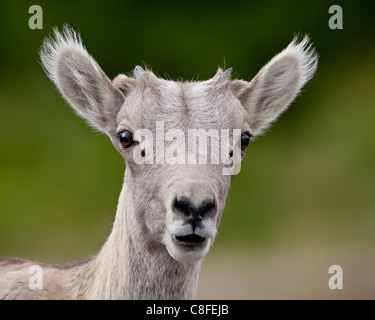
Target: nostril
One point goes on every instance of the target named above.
(206, 206)
(182, 205)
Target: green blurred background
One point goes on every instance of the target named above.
(305, 197)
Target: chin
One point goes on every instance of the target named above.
(187, 248)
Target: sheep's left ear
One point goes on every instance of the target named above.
(276, 84)
(81, 81)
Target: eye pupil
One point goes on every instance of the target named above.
(245, 141)
(126, 139)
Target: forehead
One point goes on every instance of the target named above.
(183, 105)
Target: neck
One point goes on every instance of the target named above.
(129, 266)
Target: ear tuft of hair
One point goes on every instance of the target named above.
(80, 80)
(307, 56)
(55, 44)
(277, 84)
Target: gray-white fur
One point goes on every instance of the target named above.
(141, 258)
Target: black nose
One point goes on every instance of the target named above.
(193, 213)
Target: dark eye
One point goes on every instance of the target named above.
(245, 141)
(126, 139)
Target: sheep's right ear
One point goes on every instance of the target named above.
(80, 80)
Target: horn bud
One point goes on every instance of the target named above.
(226, 75)
(139, 73)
